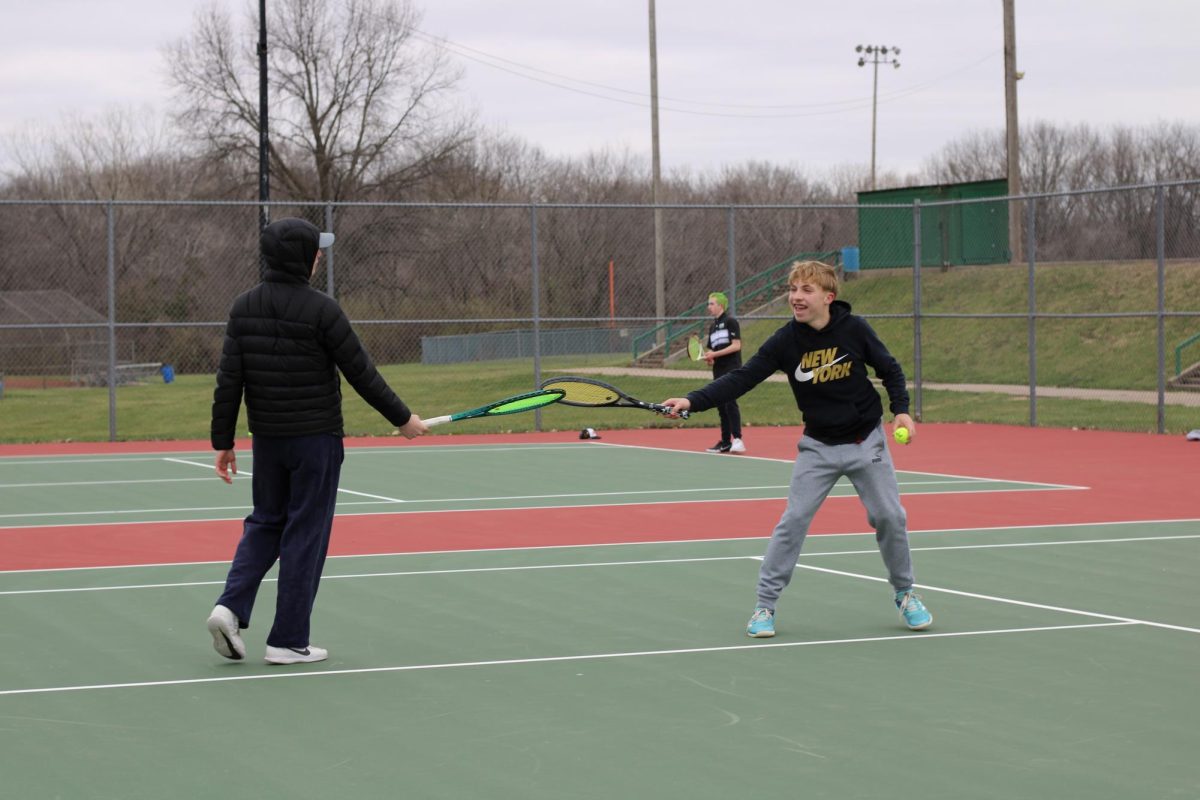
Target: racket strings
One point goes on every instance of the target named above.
(578, 392)
(526, 403)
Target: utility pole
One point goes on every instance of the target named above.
(660, 283)
(264, 163)
(1012, 140)
(876, 55)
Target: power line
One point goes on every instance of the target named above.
(832, 107)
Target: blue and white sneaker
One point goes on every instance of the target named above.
(762, 624)
(914, 613)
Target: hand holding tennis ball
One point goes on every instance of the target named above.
(903, 429)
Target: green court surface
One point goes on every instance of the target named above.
(181, 486)
(1061, 664)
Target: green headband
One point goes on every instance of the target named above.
(720, 298)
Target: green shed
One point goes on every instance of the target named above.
(951, 235)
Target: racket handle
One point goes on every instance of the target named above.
(436, 421)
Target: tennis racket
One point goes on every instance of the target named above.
(509, 405)
(589, 393)
(695, 351)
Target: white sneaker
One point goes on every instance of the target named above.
(227, 640)
(296, 655)
(737, 446)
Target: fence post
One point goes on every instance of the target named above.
(1030, 207)
(329, 286)
(732, 267)
(917, 310)
(536, 290)
(112, 321)
(1160, 246)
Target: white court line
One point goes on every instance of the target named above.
(248, 473)
(954, 480)
(388, 575)
(564, 496)
(244, 507)
(51, 461)
(1009, 601)
(57, 484)
(20, 461)
(910, 637)
(744, 457)
(577, 565)
(661, 542)
(992, 480)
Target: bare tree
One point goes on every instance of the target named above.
(359, 103)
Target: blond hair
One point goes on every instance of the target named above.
(817, 273)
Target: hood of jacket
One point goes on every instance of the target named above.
(838, 311)
(289, 248)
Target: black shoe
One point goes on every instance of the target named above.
(720, 447)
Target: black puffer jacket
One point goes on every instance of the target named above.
(284, 344)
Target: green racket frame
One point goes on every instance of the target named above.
(509, 405)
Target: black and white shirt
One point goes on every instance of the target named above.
(723, 332)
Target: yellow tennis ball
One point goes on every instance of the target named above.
(901, 435)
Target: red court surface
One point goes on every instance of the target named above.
(1127, 477)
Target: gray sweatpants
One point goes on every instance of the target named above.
(869, 467)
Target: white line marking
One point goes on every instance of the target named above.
(99, 458)
(909, 637)
(130, 481)
(247, 472)
(411, 503)
(1010, 601)
(990, 480)
(520, 567)
(399, 574)
(374, 496)
(653, 543)
(195, 464)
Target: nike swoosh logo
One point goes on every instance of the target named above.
(803, 376)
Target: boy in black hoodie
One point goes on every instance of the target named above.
(825, 351)
(285, 344)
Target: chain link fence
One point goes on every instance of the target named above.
(1098, 308)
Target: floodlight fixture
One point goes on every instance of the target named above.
(876, 55)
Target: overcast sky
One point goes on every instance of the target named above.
(773, 80)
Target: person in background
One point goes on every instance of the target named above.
(285, 343)
(825, 351)
(724, 355)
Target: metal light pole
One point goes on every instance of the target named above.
(876, 55)
(264, 164)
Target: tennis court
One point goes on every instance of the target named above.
(530, 616)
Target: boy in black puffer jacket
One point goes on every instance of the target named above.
(285, 343)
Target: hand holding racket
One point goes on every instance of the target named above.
(677, 406)
(694, 348)
(509, 405)
(589, 393)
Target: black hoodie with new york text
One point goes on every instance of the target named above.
(827, 370)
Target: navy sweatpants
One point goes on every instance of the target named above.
(294, 484)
